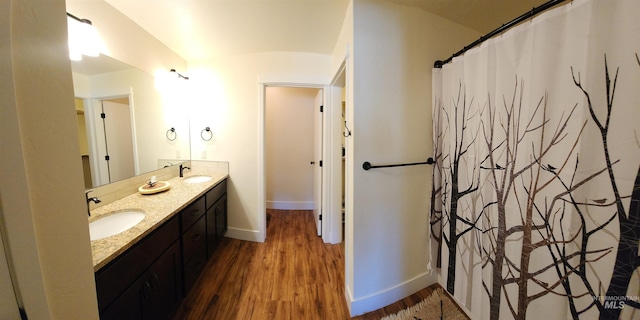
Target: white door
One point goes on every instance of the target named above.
(317, 161)
(119, 139)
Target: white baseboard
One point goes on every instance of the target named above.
(290, 205)
(244, 234)
(386, 297)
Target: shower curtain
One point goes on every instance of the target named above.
(536, 197)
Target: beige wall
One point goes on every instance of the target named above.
(41, 184)
(289, 129)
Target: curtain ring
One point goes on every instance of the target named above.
(202, 133)
(175, 135)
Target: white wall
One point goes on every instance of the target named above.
(394, 50)
(41, 183)
(289, 145)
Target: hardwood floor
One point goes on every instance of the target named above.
(293, 275)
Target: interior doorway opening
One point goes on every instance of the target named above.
(330, 188)
(293, 149)
(109, 142)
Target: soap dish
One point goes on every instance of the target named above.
(159, 186)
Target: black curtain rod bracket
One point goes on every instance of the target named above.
(528, 15)
(367, 165)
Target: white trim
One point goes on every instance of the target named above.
(244, 234)
(290, 205)
(332, 190)
(388, 296)
(262, 179)
(289, 80)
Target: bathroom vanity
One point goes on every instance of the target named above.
(144, 272)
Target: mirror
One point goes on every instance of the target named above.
(129, 123)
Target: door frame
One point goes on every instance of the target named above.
(334, 127)
(294, 81)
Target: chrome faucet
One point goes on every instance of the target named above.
(182, 170)
(92, 199)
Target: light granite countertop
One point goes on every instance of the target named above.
(158, 208)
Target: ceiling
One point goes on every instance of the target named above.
(204, 29)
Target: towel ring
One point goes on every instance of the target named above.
(171, 131)
(202, 133)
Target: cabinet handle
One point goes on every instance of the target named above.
(146, 291)
(195, 212)
(196, 237)
(155, 282)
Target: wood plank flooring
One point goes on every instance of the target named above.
(293, 275)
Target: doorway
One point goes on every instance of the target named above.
(110, 138)
(293, 149)
(330, 201)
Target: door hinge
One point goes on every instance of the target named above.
(103, 115)
(320, 217)
(321, 163)
(321, 108)
(106, 157)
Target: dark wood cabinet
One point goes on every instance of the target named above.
(149, 280)
(144, 282)
(200, 231)
(194, 242)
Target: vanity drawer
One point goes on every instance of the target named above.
(193, 269)
(115, 277)
(192, 213)
(214, 194)
(194, 238)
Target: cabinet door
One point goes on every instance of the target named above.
(120, 274)
(211, 231)
(221, 217)
(161, 291)
(127, 306)
(216, 224)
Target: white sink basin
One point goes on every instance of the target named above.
(197, 179)
(114, 224)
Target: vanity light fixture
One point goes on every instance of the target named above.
(179, 75)
(83, 38)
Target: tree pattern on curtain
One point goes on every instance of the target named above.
(536, 188)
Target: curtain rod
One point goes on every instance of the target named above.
(504, 27)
